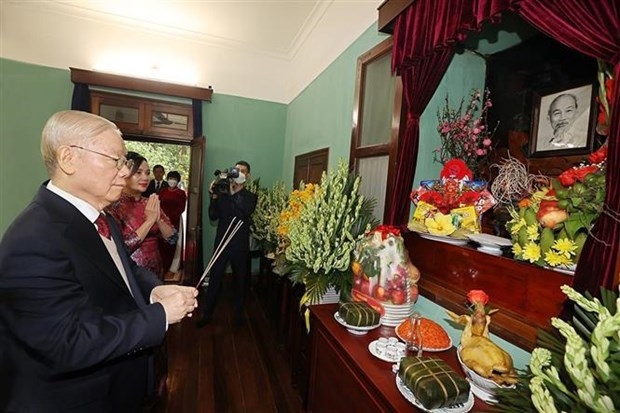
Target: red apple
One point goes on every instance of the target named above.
(379, 292)
(398, 297)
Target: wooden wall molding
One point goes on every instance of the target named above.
(143, 85)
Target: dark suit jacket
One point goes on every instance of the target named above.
(151, 188)
(72, 337)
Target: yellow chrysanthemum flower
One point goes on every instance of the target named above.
(517, 250)
(565, 247)
(531, 252)
(532, 232)
(553, 258)
(440, 224)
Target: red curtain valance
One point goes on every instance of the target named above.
(427, 30)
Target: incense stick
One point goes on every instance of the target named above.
(228, 235)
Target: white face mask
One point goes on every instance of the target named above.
(240, 179)
(173, 183)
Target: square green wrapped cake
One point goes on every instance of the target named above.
(359, 314)
(433, 382)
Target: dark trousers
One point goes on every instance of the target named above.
(239, 263)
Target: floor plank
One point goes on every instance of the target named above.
(225, 368)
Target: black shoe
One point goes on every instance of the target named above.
(203, 321)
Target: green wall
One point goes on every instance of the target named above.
(321, 116)
(29, 95)
(241, 129)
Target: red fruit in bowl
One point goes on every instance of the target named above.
(379, 292)
(398, 297)
(365, 287)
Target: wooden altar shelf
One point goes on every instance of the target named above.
(526, 295)
(346, 377)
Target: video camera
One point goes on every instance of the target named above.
(224, 179)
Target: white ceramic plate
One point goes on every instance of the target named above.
(372, 347)
(430, 350)
(492, 251)
(358, 331)
(570, 270)
(447, 240)
(480, 393)
(490, 241)
(461, 408)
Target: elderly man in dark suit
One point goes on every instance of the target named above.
(77, 316)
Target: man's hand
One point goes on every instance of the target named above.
(178, 301)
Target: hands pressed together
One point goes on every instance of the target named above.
(178, 301)
(152, 211)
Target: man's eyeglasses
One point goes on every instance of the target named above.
(120, 162)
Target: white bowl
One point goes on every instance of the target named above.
(483, 383)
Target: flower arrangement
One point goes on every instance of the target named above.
(322, 237)
(463, 134)
(296, 200)
(550, 227)
(577, 370)
(266, 216)
(452, 205)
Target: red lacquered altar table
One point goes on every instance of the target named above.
(345, 376)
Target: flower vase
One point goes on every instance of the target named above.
(330, 296)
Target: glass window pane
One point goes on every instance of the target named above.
(374, 180)
(379, 89)
(119, 113)
(170, 120)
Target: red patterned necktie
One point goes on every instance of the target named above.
(102, 226)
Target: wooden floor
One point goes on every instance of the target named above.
(224, 368)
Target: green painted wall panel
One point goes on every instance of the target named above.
(321, 116)
(28, 96)
(241, 129)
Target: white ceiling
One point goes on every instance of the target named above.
(262, 49)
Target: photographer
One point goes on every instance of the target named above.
(229, 199)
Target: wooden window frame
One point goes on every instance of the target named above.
(390, 149)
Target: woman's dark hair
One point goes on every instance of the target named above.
(174, 174)
(137, 161)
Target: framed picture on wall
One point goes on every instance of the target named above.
(563, 121)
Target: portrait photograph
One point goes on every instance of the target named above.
(563, 121)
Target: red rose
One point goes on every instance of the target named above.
(477, 297)
(567, 178)
(456, 168)
(581, 172)
(598, 156)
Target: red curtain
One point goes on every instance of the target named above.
(419, 81)
(424, 35)
(590, 27)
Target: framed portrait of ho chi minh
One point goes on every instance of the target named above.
(563, 121)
